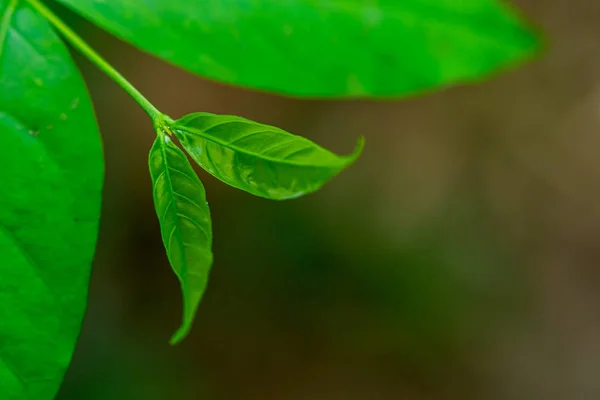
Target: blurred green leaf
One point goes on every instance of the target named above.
(50, 204)
(263, 160)
(184, 216)
(323, 48)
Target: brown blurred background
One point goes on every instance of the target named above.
(458, 259)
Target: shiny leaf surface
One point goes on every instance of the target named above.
(49, 204)
(330, 48)
(186, 229)
(262, 160)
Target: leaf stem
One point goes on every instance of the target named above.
(95, 58)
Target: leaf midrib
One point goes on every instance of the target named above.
(191, 131)
(177, 233)
(5, 25)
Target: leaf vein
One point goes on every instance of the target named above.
(188, 176)
(14, 371)
(35, 265)
(162, 219)
(5, 26)
(187, 199)
(236, 140)
(195, 223)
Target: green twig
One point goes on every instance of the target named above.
(95, 58)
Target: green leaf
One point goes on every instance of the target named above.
(262, 160)
(186, 229)
(327, 48)
(49, 204)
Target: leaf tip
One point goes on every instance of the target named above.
(358, 149)
(178, 336)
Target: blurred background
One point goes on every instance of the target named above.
(457, 259)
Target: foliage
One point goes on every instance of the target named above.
(50, 205)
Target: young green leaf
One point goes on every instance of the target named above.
(49, 203)
(186, 229)
(262, 160)
(324, 48)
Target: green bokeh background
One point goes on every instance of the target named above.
(457, 259)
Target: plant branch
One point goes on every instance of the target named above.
(95, 58)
